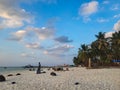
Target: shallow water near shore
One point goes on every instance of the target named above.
(5, 70)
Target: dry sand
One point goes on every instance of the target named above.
(88, 79)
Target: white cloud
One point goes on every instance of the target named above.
(12, 15)
(44, 32)
(33, 37)
(102, 20)
(32, 32)
(33, 45)
(17, 36)
(58, 50)
(12, 23)
(87, 9)
(106, 2)
(116, 16)
(117, 26)
(20, 33)
(108, 34)
(115, 7)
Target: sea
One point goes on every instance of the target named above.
(5, 70)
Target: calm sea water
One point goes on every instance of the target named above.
(10, 69)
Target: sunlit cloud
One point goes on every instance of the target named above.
(41, 32)
(109, 34)
(88, 9)
(12, 15)
(19, 33)
(32, 32)
(44, 32)
(17, 36)
(117, 26)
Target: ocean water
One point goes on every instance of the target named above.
(4, 70)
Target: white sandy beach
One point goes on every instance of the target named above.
(88, 79)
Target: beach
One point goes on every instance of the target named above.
(77, 78)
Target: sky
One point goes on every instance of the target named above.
(51, 31)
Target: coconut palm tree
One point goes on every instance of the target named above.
(83, 54)
(102, 50)
(101, 47)
(115, 40)
(76, 61)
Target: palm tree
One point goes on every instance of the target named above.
(100, 36)
(75, 61)
(101, 47)
(83, 54)
(115, 40)
(102, 50)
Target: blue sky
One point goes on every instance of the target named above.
(51, 31)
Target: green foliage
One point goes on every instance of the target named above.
(104, 50)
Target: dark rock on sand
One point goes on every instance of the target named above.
(57, 68)
(53, 74)
(30, 69)
(2, 78)
(76, 83)
(13, 82)
(18, 74)
(10, 75)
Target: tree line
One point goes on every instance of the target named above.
(102, 51)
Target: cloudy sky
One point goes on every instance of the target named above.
(51, 31)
